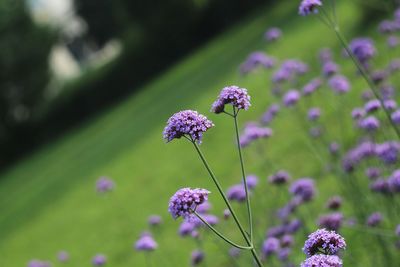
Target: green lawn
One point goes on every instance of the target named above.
(48, 202)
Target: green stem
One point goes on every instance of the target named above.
(245, 236)
(366, 77)
(219, 234)
(249, 213)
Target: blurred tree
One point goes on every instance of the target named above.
(24, 50)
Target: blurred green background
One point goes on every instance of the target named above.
(87, 92)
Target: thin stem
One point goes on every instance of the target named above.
(248, 241)
(219, 234)
(249, 213)
(365, 76)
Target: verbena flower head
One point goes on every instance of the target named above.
(234, 95)
(104, 184)
(322, 261)
(312, 86)
(63, 256)
(397, 231)
(314, 114)
(38, 263)
(334, 148)
(394, 182)
(370, 123)
(372, 105)
(270, 246)
(252, 181)
(396, 116)
(291, 98)
(203, 208)
(373, 173)
(334, 203)
(185, 200)
(280, 177)
(393, 41)
(187, 123)
(273, 34)
(255, 60)
(363, 49)
(331, 221)
(197, 257)
(284, 253)
(327, 242)
(374, 219)
(234, 252)
(154, 220)
(146, 243)
(303, 188)
(339, 84)
(330, 68)
(380, 185)
(209, 218)
(237, 192)
(309, 7)
(99, 260)
(357, 113)
(388, 152)
(186, 228)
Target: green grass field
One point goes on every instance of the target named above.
(48, 201)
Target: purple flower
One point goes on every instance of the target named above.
(334, 203)
(390, 104)
(325, 55)
(237, 192)
(185, 200)
(363, 49)
(270, 246)
(312, 86)
(253, 132)
(309, 6)
(388, 152)
(186, 228)
(291, 98)
(314, 114)
(357, 113)
(394, 65)
(256, 59)
(146, 243)
(227, 214)
(330, 68)
(372, 105)
(287, 241)
(380, 185)
(63, 256)
(273, 34)
(281, 177)
(210, 219)
(187, 123)
(331, 221)
(233, 95)
(276, 231)
(203, 208)
(393, 41)
(396, 116)
(197, 257)
(303, 188)
(99, 260)
(293, 226)
(370, 124)
(283, 254)
(374, 219)
(329, 242)
(339, 84)
(322, 261)
(252, 181)
(154, 220)
(334, 148)
(387, 26)
(37, 263)
(373, 173)
(104, 184)
(394, 181)
(398, 230)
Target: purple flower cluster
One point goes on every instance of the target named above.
(322, 261)
(146, 242)
(104, 184)
(187, 123)
(303, 188)
(38, 263)
(280, 177)
(363, 49)
(234, 95)
(327, 242)
(63, 256)
(185, 200)
(332, 221)
(253, 132)
(273, 34)
(99, 260)
(309, 6)
(339, 84)
(255, 60)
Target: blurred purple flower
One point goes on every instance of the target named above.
(197, 257)
(396, 116)
(312, 86)
(280, 177)
(331, 221)
(270, 246)
(309, 6)
(104, 184)
(330, 68)
(146, 243)
(369, 124)
(394, 181)
(63, 256)
(339, 84)
(372, 105)
(303, 188)
(334, 203)
(363, 49)
(154, 220)
(374, 219)
(99, 260)
(273, 34)
(291, 98)
(236, 192)
(314, 114)
(185, 200)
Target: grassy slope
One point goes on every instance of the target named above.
(48, 201)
